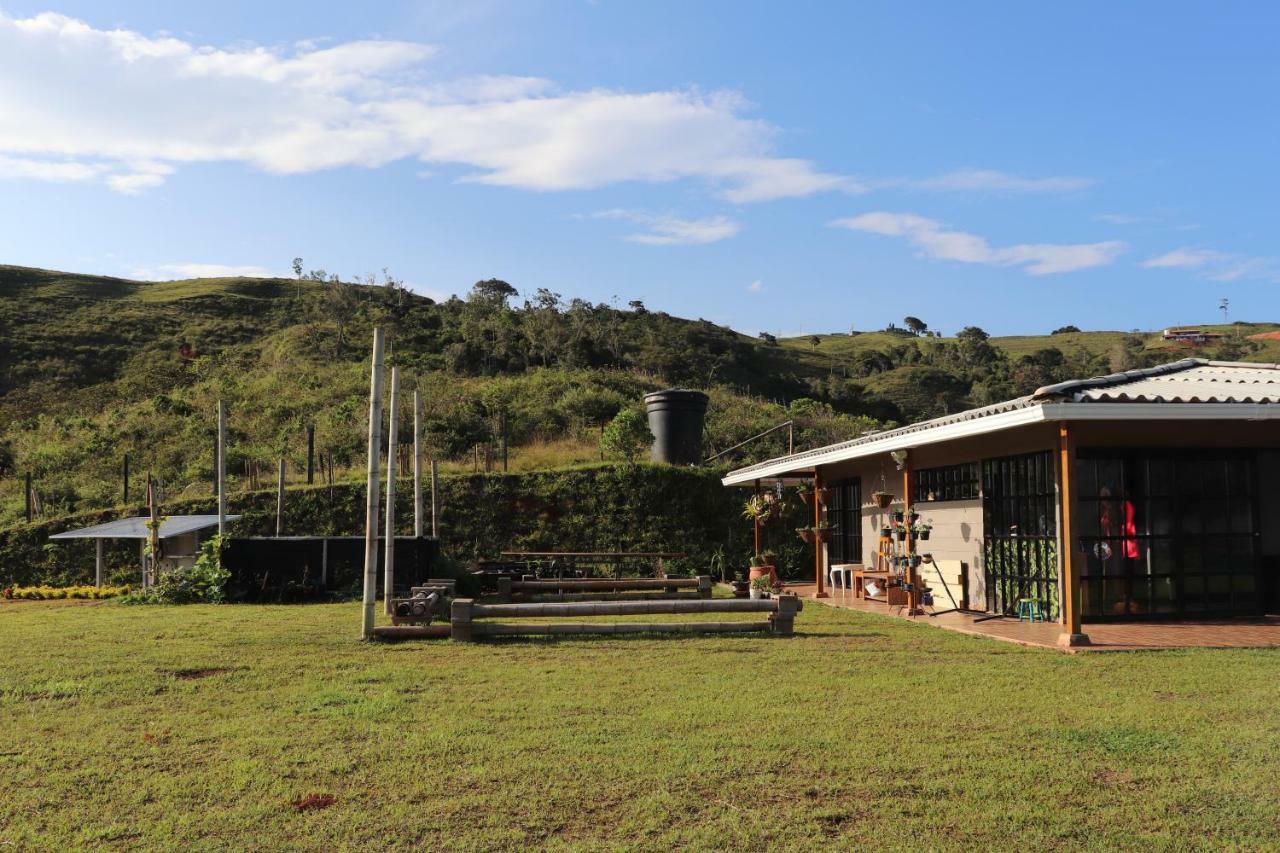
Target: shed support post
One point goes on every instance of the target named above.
(324, 562)
(98, 560)
(371, 493)
(819, 549)
(1072, 631)
(393, 458)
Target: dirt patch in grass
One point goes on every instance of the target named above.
(1113, 778)
(313, 802)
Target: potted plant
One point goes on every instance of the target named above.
(822, 531)
(897, 516)
(762, 587)
(761, 508)
(882, 499)
(804, 492)
(921, 530)
(913, 517)
(805, 534)
(901, 530)
(762, 564)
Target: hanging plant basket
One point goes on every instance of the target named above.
(806, 534)
(822, 534)
(897, 516)
(902, 534)
(884, 500)
(923, 535)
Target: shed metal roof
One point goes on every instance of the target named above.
(1192, 388)
(136, 527)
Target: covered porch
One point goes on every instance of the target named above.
(1104, 637)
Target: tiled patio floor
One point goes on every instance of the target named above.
(1105, 637)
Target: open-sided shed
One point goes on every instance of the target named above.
(179, 537)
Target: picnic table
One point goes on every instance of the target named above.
(581, 560)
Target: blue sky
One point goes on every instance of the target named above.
(788, 167)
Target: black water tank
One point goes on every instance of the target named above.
(675, 419)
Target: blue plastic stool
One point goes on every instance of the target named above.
(1030, 609)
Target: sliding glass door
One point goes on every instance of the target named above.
(1168, 534)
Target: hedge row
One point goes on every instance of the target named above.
(598, 508)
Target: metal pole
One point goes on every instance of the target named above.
(222, 468)
(417, 465)
(97, 573)
(27, 492)
(393, 446)
(280, 499)
(371, 496)
(435, 475)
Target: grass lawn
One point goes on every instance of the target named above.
(150, 727)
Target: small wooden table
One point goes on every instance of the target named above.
(892, 594)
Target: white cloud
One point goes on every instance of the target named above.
(1184, 258)
(756, 286)
(103, 101)
(665, 230)
(936, 240)
(1217, 266)
(990, 180)
(171, 272)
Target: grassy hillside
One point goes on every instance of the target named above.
(93, 368)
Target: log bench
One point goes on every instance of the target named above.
(468, 618)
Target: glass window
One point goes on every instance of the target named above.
(950, 483)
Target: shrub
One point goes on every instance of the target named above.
(203, 582)
(627, 435)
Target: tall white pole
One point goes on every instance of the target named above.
(97, 571)
(393, 448)
(222, 468)
(417, 464)
(371, 496)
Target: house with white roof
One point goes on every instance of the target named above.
(1148, 494)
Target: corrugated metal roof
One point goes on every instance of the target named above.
(1191, 380)
(136, 527)
(885, 435)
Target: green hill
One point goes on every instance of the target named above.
(93, 368)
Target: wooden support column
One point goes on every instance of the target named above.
(819, 550)
(755, 522)
(913, 597)
(1071, 597)
(371, 492)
